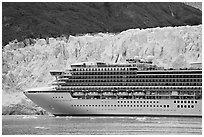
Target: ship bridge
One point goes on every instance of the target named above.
(88, 64)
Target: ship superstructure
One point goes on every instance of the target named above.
(134, 88)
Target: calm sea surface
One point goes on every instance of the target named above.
(50, 125)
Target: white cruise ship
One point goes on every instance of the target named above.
(131, 89)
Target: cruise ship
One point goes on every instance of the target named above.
(135, 88)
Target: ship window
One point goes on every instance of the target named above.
(189, 102)
(184, 101)
(174, 101)
(157, 105)
(189, 106)
(195, 101)
(150, 106)
(181, 106)
(177, 106)
(160, 106)
(181, 101)
(127, 101)
(164, 105)
(124, 105)
(192, 106)
(184, 106)
(168, 106)
(192, 101)
(177, 101)
(137, 105)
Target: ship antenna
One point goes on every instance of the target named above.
(117, 58)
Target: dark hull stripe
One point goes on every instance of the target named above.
(126, 115)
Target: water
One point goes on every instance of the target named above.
(50, 125)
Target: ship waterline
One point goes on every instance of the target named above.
(122, 89)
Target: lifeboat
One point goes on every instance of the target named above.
(107, 93)
(93, 94)
(174, 93)
(138, 93)
(78, 94)
(123, 94)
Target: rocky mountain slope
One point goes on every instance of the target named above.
(28, 67)
(40, 20)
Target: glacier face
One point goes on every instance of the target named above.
(28, 67)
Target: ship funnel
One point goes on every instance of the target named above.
(149, 58)
(137, 58)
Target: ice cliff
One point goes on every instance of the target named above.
(28, 67)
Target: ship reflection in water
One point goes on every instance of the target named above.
(49, 125)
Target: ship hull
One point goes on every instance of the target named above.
(63, 104)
